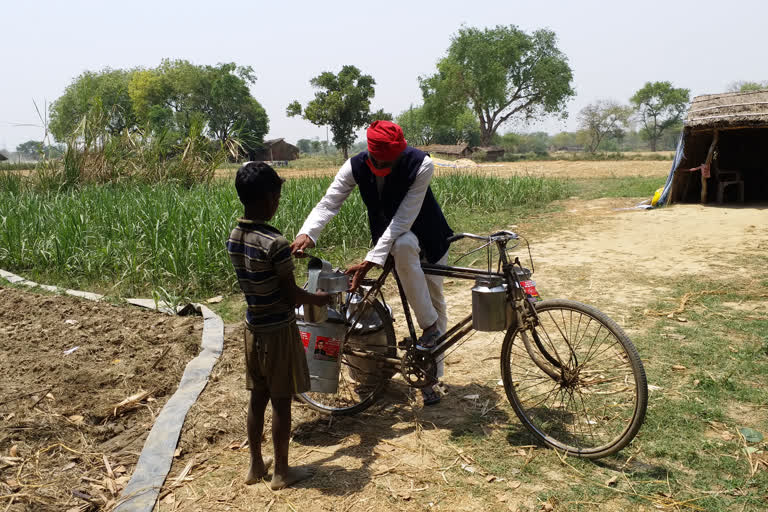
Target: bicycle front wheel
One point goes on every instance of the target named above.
(361, 379)
(575, 380)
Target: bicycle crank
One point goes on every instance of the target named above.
(419, 368)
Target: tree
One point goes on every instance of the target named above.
(304, 145)
(417, 130)
(343, 103)
(422, 127)
(105, 91)
(746, 86)
(380, 115)
(229, 107)
(501, 74)
(602, 118)
(168, 101)
(35, 149)
(32, 149)
(659, 106)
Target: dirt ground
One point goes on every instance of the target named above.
(66, 364)
(397, 455)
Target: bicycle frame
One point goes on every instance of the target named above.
(464, 326)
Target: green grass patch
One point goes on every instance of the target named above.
(625, 186)
(136, 238)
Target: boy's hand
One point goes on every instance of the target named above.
(323, 298)
(358, 273)
(301, 243)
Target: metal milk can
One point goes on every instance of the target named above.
(489, 304)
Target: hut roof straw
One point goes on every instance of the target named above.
(742, 109)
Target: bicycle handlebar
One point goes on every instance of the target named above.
(505, 235)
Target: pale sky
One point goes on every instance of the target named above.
(613, 47)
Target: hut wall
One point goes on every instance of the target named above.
(284, 151)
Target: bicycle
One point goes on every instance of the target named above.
(571, 374)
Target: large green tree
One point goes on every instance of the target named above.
(105, 92)
(501, 74)
(659, 106)
(342, 102)
(602, 118)
(170, 100)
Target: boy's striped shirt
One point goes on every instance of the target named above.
(261, 255)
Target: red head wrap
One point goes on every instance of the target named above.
(385, 140)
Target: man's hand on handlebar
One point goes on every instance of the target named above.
(358, 273)
(301, 243)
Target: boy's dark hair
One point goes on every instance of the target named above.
(256, 181)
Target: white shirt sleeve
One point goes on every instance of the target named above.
(330, 204)
(405, 215)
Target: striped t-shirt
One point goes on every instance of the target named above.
(261, 255)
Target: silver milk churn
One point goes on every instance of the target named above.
(489, 304)
(368, 333)
(321, 277)
(322, 328)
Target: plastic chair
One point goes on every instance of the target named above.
(728, 177)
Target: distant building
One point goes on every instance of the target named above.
(3, 157)
(453, 151)
(276, 149)
(492, 153)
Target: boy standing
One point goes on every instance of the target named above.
(276, 366)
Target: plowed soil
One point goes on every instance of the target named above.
(66, 364)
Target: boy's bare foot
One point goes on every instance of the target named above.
(255, 474)
(292, 476)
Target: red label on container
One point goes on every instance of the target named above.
(530, 288)
(305, 336)
(326, 349)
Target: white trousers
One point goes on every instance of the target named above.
(424, 293)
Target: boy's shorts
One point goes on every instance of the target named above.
(275, 361)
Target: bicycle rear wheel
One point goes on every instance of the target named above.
(597, 402)
(361, 380)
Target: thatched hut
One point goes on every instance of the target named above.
(3, 157)
(492, 153)
(452, 151)
(722, 153)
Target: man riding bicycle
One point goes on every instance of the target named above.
(404, 218)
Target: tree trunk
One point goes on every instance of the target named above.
(485, 137)
(344, 151)
(653, 140)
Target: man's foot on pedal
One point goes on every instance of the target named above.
(428, 341)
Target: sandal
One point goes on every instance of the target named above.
(429, 341)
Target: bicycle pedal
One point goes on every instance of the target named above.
(440, 388)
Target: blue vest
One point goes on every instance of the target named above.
(430, 226)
